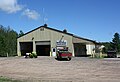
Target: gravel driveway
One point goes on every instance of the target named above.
(47, 69)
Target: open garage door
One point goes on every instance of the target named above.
(26, 47)
(80, 50)
(43, 48)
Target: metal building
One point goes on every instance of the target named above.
(43, 40)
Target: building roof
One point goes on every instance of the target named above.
(84, 39)
(45, 26)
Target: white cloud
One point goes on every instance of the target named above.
(32, 14)
(10, 6)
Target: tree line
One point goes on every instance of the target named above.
(8, 41)
(114, 45)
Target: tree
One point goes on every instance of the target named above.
(21, 33)
(107, 46)
(116, 42)
(8, 41)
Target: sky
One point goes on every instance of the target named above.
(93, 19)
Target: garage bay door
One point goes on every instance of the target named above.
(26, 47)
(43, 48)
(80, 50)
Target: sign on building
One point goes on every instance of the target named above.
(61, 43)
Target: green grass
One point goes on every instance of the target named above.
(4, 79)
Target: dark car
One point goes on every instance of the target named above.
(111, 54)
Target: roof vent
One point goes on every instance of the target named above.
(45, 25)
(65, 31)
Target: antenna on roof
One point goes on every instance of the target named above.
(44, 16)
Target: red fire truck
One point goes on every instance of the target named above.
(63, 52)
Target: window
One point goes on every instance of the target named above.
(53, 49)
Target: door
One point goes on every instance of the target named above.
(43, 48)
(54, 52)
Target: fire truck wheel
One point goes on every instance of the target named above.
(59, 58)
(68, 58)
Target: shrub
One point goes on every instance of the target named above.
(31, 55)
(97, 56)
(34, 54)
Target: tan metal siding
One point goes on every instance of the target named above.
(37, 34)
(90, 48)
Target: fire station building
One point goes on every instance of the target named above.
(43, 40)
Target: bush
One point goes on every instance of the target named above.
(31, 55)
(99, 56)
(96, 56)
(34, 54)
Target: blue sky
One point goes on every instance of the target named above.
(93, 19)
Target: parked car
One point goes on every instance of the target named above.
(111, 54)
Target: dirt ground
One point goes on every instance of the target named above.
(47, 69)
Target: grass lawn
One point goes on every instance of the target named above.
(4, 79)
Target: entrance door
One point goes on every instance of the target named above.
(54, 52)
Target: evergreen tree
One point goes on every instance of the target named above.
(21, 33)
(116, 42)
(107, 46)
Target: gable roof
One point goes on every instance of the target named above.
(45, 26)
